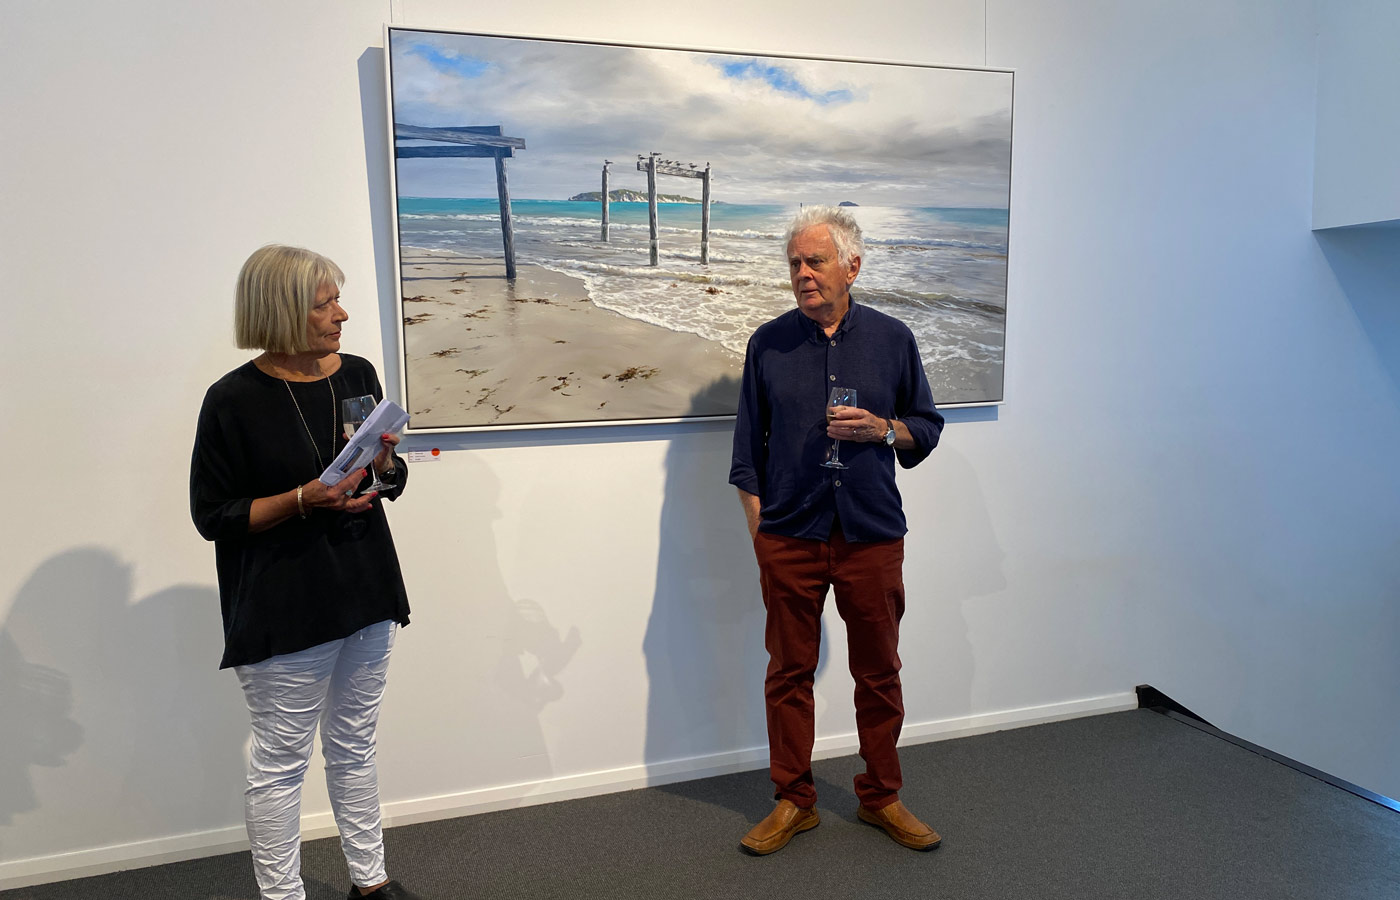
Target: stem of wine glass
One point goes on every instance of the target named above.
(375, 484)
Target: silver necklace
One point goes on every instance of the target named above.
(317, 450)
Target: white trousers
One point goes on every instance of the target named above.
(339, 685)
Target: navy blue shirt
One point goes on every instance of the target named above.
(780, 437)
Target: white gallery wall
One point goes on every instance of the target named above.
(1193, 483)
(1358, 113)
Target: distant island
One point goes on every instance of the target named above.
(847, 203)
(630, 197)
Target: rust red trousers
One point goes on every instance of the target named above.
(868, 579)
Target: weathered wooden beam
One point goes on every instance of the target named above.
(672, 168)
(507, 230)
(679, 172)
(465, 129)
(479, 136)
(456, 150)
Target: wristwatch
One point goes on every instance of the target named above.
(889, 435)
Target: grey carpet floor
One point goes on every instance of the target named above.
(1130, 805)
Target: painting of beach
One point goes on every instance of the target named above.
(528, 301)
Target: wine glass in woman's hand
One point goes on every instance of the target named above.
(353, 412)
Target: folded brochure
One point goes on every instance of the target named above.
(388, 418)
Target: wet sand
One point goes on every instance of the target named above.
(482, 351)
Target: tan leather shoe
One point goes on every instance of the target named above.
(773, 833)
(901, 825)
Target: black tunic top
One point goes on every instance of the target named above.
(305, 581)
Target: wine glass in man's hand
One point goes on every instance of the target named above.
(840, 396)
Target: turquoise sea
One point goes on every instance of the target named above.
(942, 271)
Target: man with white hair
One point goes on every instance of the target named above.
(816, 527)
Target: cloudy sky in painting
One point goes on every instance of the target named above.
(775, 130)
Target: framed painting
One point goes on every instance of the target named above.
(588, 233)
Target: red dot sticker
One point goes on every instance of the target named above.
(436, 451)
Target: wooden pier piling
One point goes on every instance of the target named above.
(705, 219)
(651, 210)
(653, 166)
(470, 141)
(606, 163)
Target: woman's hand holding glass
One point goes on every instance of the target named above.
(385, 460)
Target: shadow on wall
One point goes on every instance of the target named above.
(375, 121)
(704, 639)
(949, 562)
(1366, 262)
(502, 652)
(126, 698)
(36, 703)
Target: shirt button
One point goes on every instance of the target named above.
(838, 483)
(833, 378)
(833, 343)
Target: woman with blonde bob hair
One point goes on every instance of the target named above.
(309, 581)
